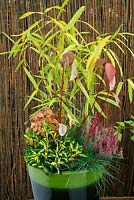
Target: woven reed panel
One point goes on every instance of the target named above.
(111, 198)
(106, 16)
(117, 198)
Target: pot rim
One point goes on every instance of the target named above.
(68, 179)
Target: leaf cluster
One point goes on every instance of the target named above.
(126, 125)
(51, 152)
(49, 39)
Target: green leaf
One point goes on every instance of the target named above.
(110, 56)
(73, 91)
(27, 31)
(26, 15)
(122, 50)
(116, 32)
(99, 109)
(30, 98)
(130, 89)
(51, 38)
(29, 75)
(119, 87)
(127, 33)
(65, 2)
(101, 79)
(90, 26)
(69, 48)
(19, 64)
(132, 138)
(30, 13)
(117, 61)
(130, 93)
(33, 26)
(75, 18)
(60, 44)
(122, 124)
(132, 117)
(60, 24)
(132, 129)
(52, 102)
(70, 113)
(52, 30)
(16, 49)
(35, 50)
(8, 37)
(53, 7)
(90, 65)
(36, 35)
(6, 52)
(81, 86)
(120, 137)
(125, 46)
(72, 38)
(80, 35)
(123, 36)
(108, 100)
(131, 83)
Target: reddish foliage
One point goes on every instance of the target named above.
(103, 139)
(68, 58)
(41, 117)
(94, 123)
(110, 71)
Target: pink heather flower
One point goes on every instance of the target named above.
(108, 143)
(105, 141)
(94, 122)
(62, 129)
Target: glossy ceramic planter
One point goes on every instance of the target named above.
(68, 186)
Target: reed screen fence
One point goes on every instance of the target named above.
(105, 16)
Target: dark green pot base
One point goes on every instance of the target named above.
(71, 185)
(41, 192)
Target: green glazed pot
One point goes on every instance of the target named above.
(68, 179)
(71, 185)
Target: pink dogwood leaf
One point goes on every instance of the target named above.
(68, 58)
(112, 84)
(117, 100)
(74, 72)
(110, 71)
(62, 129)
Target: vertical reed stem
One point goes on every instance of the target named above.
(61, 93)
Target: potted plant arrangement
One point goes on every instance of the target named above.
(68, 150)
